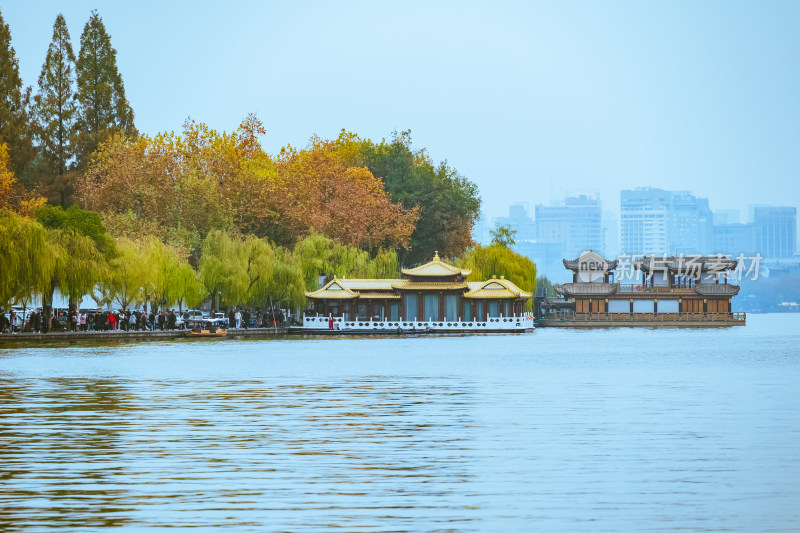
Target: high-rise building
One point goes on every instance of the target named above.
(775, 231)
(726, 216)
(577, 223)
(519, 221)
(655, 221)
(734, 239)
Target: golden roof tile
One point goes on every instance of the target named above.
(495, 288)
(436, 268)
(379, 295)
(409, 285)
(335, 288)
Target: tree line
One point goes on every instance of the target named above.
(183, 217)
(78, 103)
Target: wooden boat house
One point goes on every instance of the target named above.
(666, 291)
(432, 297)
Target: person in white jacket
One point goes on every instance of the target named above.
(238, 318)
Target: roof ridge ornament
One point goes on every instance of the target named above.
(436, 255)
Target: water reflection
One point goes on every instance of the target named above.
(623, 430)
(80, 452)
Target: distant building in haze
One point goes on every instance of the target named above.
(726, 216)
(655, 221)
(518, 220)
(734, 239)
(577, 223)
(775, 231)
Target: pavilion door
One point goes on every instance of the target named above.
(430, 307)
(411, 307)
(494, 308)
(451, 307)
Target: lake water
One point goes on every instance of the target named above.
(558, 430)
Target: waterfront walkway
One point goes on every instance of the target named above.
(68, 336)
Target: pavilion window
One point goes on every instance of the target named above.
(479, 310)
(451, 307)
(507, 308)
(467, 311)
(411, 307)
(362, 311)
(430, 307)
(394, 311)
(494, 308)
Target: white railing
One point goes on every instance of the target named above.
(512, 323)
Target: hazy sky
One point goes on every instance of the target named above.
(529, 100)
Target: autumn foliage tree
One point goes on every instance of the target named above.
(182, 186)
(13, 196)
(317, 192)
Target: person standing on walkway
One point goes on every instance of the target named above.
(238, 317)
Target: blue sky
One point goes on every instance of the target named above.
(530, 100)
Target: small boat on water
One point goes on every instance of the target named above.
(208, 331)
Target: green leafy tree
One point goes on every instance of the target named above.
(449, 202)
(320, 256)
(503, 236)
(79, 266)
(287, 285)
(81, 247)
(54, 109)
(15, 127)
(217, 263)
(103, 108)
(26, 258)
(128, 273)
(498, 260)
(189, 287)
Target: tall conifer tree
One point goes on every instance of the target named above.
(15, 128)
(102, 106)
(55, 102)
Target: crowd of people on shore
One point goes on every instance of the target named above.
(130, 320)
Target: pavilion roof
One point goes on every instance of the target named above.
(589, 257)
(335, 288)
(410, 285)
(685, 264)
(435, 268)
(495, 288)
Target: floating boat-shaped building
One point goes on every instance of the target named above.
(671, 291)
(429, 298)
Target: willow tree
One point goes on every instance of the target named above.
(254, 269)
(128, 273)
(26, 259)
(164, 264)
(217, 263)
(81, 247)
(321, 256)
(189, 287)
(498, 260)
(288, 285)
(78, 266)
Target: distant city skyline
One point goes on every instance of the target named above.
(530, 100)
(652, 221)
